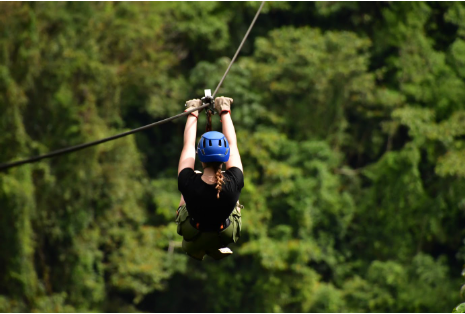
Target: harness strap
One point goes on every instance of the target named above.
(209, 128)
(197, 225)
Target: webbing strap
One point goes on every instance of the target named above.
(198, 226)
(209, 128)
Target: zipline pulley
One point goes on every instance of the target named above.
(210, 110)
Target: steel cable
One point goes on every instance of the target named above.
(74, 148)
(239, 49)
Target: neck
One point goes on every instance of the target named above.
(208, 172)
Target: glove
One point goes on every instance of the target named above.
(223, 104)
(194, 103)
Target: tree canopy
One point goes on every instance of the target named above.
(350, 118)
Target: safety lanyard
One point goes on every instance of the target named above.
(210, 110)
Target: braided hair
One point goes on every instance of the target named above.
(219, 180)
(217, 167)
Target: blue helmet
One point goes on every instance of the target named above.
(213, 147)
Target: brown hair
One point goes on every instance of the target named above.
(217, 166)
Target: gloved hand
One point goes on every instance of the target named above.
(194, 103)
(223, 104)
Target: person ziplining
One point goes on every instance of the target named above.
(209, 213)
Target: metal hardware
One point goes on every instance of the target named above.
(210, 110)
(208, 99)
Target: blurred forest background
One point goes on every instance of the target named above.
(351, 125)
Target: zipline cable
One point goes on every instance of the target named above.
(239, 49)
(89, 144)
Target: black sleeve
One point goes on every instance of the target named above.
(236, 176)
(184, 178)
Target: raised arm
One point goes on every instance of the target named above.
(223, 106)
(187, 159)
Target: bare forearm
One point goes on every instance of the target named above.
(228, 129)
(230, 133)
(190, 131)
(187, 159)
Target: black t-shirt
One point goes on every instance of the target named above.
(201, 201)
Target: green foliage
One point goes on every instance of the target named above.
(350, 120)
(459, 308)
